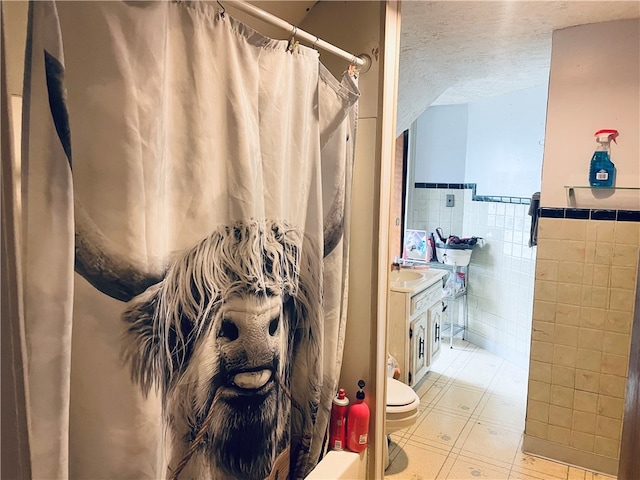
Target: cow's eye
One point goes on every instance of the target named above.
(228, 330)
(273, 326)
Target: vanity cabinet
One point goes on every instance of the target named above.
(414, 328)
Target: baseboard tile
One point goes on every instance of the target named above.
(517, 358)
(569, 455)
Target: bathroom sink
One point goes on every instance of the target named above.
(400, 276)
(407, 280)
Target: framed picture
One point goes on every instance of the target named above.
(415, 245)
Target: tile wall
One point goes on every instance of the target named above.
(585, 284)
(501, 273)
(429, 211)
(501, 278)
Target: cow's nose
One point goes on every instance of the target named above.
(232, 330)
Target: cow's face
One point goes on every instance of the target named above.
(216, 337)
(233, 371)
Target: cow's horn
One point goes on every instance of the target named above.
(96, 259)
(334, 223)
(99, 262)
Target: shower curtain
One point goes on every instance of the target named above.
(186, 208)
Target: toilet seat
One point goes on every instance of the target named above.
(401, 398)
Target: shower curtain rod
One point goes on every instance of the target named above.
(361, 61)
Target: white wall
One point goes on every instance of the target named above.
(441, 144)
(505, 141)
(594, 84)
(496, 143)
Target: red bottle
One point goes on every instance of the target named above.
(338, 427)
(358, 422)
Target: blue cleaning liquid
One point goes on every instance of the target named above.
(602, 172)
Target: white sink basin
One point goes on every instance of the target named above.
(405, 276)
(406, 280)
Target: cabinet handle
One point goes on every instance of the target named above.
(421, 348)
(437, 333)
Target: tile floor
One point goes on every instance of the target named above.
(471, 424)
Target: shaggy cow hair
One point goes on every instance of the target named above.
(239, 309)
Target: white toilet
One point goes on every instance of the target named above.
(402, 410)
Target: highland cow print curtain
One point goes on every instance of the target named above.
(186, 204)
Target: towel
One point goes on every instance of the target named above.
(534, 211)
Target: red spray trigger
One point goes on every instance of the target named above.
(613, 134)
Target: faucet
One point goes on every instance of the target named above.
(395, 266)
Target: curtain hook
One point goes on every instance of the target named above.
(314, 42)
(292, 44)
(223, 9)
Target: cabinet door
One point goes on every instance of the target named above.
(435, 319)
(418, 349)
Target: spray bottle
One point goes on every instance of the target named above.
(358, 422)
(602, 172)
(338, 427)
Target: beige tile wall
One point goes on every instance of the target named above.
(583, 310)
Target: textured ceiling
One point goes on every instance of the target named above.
(462, 51)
